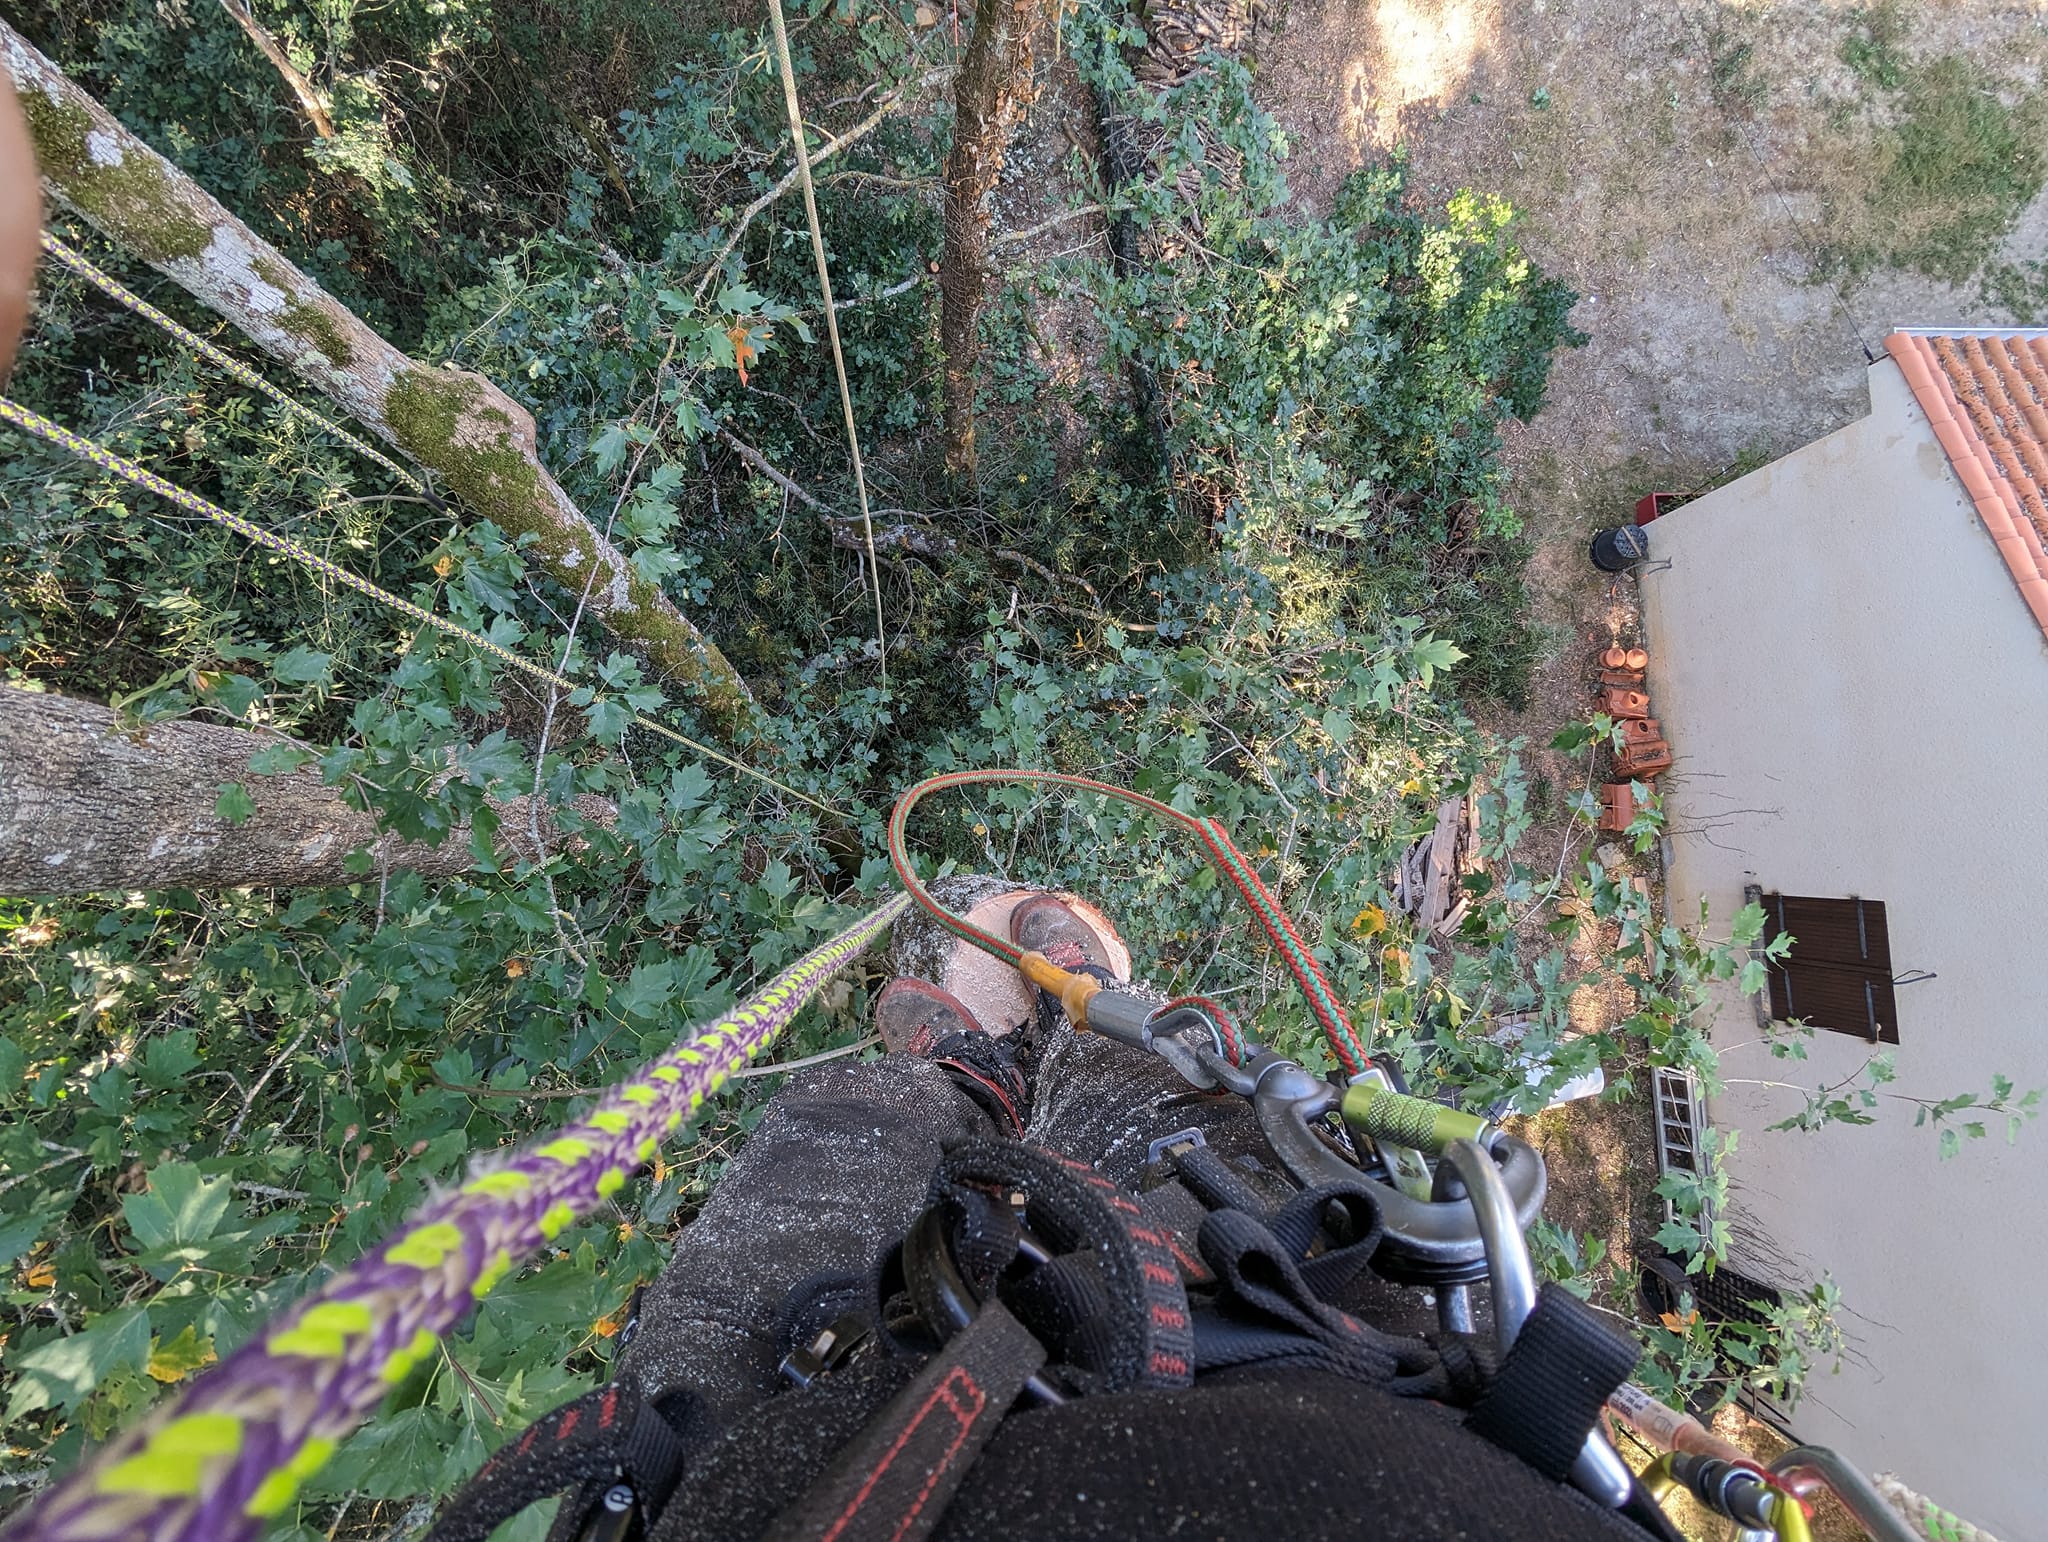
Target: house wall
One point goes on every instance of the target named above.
(1857, 699)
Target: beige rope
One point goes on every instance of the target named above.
(1927, 1517)
(803, 166)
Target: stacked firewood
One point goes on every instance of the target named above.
(1429, 883)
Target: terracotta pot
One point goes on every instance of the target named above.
(1619, 703)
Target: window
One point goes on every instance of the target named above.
(1839, 972)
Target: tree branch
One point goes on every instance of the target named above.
(302, 88)
(826, 151)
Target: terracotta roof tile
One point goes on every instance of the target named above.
(1986, 396)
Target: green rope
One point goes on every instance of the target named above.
(115, 290)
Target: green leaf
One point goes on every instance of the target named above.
(17, 1236)
(609, 718)
(180, 1208)
(63, 1372)
(233, 694)
(280, 759)
(234, 803)
(172, 1360)
(397, 1457)
(646, 991)
(1754, 979)
(302, 666)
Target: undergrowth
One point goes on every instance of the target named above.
(1277, 605)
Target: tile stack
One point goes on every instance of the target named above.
(1643, 752)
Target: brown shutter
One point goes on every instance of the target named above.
(1839, 973)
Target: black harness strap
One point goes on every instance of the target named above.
(1553, 1383)
(895, 1480)
(610, 1435)
(1125, 1279)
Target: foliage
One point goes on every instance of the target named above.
(213, 1099)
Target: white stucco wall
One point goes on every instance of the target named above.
(1857, 699)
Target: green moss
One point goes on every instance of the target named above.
(312, 324)
(134, 202)
(438, 418)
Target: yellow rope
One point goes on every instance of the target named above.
(107, 460)
(803, 167)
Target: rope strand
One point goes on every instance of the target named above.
(803, 167)
(227, 363)
(119, 465)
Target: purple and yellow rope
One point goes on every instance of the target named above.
(226, 362)
(219, 1463)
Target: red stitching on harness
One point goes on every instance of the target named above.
(526, 1444)
(568, 1423)
(1168, 1317)
(1159, 1274)
(1168, 1365)
(608, 1409)
(942, 1393)
(1147, 1236)
(1193, 1267)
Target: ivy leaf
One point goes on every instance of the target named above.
(234, 803)
(63, 1373)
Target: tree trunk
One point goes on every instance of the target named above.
(455, 422)
(87, 805)
(989, 99)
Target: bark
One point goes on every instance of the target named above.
(989, 99)
(87, 805)
(455, 422)
(302, 88)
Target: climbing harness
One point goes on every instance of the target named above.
(1016, 1239)
(285, 546)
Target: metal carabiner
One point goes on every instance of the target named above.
(1598, 1470)
(1427, 1242)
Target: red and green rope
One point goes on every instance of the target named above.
(1223, 855)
